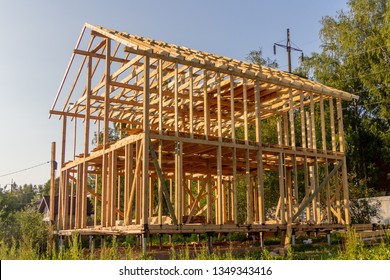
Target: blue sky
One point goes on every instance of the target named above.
(37, 39)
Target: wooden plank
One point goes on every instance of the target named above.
(107, 93)
(78, 197)
(232, 111)
(95, 204)
(245, 101)
(52, 182)
(219, 107)
(71, 210)
(337, 196)
(344, 169)
(259, 157)
(281, 176)
(65, 198)
(288, 180)
(163, 185)
(324, 148)
(196, 203)
(176, 101)
(307, 188)
(209, 200)
(250, 75)
(191, 105)
(114, 183)
(109, 188)
(292, 120)
(100, 56)
(313, 122)
(308, 200)
(249, 190)
(67, 69)
(145, 159)
(318, 198)
(303, 122)
(138, 183)
(219, 204)
(127, 181)
(128, 215)
(160, 97)
(332, 124)
(206, 106)
(160, 182)
(285, 129)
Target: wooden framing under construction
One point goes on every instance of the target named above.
(189, 154)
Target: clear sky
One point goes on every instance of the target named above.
(37, 39)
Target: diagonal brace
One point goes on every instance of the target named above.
(163, 186)
(309, 199)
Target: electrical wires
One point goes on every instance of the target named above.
(25, 169)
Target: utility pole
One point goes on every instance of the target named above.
(288, 49)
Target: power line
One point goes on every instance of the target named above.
(288, 49)
(25, 169)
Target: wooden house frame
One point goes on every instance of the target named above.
(190, 154)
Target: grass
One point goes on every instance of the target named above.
(347, 246)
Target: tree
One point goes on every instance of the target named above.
(256, 57)
(355, 57)
(20, 222)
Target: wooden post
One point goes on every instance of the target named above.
(105, 165)
(52, 182)
(109, 189)
(313, 123)
(289, 206)
(146, 127)
(95, 201)
(138, 182)
(260, 186)
(86, 143)
(107, 93)
(232, 110)
(78, 196)
(71, 210)
(209, 199)
(324, 148)
(206, 106)
(160, 190)
(303, 122)
(191, 93)
(74, 138)
(332, 124)
(52, 193)
(344, 167)
(219, 186)
(249, 197)
(337, 194)
(307, 188)
(219, 108)
(66, 200)
(151, 194)
(281, 176)
(234, 179)
(176, 100)
(114, 176)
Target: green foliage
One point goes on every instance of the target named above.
(24, 235)
(362, 211)
(354, 248)
(113, 135)
(30, 230)
(355, 57)
(256, 57)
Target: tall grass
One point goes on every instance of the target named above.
(351, 247)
